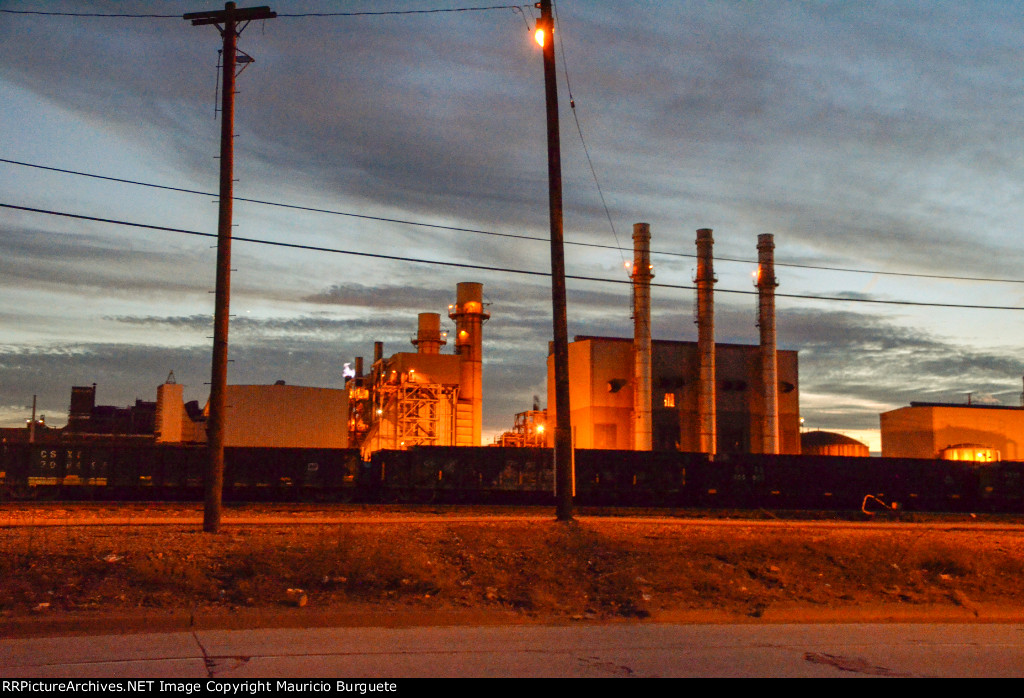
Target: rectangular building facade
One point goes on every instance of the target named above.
(601, 395)
(923, 430)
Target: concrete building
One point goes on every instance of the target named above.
(601, 396)
(926, 429)
(279, 416)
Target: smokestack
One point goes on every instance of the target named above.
(469, 316)
(428, 335)
(378, 351)
(766, 284)
(642, 276)
(359, 367)
(706, 398)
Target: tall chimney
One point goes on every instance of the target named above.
(766, 284)
(642, 276)
(469, 316)
(428, 335)
(706, 405)
(359, 367)
(378, 351)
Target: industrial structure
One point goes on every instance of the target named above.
(829, 443)
(421, 398)
(634, 394)
(602, 396)
(258, 416)
(953, 432)
(85, 417)
(424, 398)
(705, 397)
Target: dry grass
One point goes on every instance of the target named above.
(605, 569)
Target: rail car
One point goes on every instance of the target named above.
(112, 470)
(117, 470)
(609, 477)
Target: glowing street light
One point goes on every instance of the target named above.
(563, 429)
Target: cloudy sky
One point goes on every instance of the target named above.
(880, 142)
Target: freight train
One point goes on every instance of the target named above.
(115, 470)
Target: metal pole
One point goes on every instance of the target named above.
(230, 17)
(563, 424)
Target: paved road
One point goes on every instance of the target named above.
(619, 650)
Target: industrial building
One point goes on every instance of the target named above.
(424, 398)
(703, 396)
(279, 415)
(85, 417)
(601, 395)
(953, 432)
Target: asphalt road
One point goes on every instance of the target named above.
(583, 651)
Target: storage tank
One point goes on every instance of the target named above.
(970, 452)
(828, 443)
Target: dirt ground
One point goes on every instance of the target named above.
(402, 570)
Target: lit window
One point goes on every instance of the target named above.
(670, 400)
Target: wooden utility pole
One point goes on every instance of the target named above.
(563, 423)
(227, 21)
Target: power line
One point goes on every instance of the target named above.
(404, 12)
(280, 14)
(507, 270)
(579, 130)
(88, 14)
(515, 236)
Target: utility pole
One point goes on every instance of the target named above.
(227, 21)
(563, 424)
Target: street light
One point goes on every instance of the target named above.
(563, 426)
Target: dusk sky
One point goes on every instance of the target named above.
(885, 137)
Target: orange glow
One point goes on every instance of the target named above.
(538, 35)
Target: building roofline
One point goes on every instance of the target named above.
(588, 337)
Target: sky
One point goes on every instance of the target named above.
(879, 142)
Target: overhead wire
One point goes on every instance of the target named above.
(480, 267)
(515, 236)
(579, 130)
(122, 15)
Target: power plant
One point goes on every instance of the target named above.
(701, 397)
(638, 393)
(424, 398)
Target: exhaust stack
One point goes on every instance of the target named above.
(469, 316)
(428, 334)
(766, 284)
(641, 276)
(705, 282)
